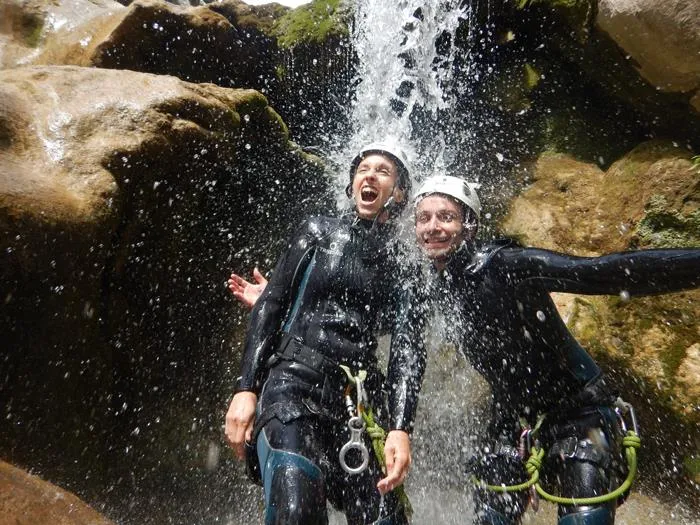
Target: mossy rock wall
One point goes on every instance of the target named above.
(649, 345)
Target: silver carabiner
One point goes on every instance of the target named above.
(356, 426)
(623, 408)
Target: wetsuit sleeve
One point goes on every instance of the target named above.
(407, 354)
(268, 314)
(642, 272)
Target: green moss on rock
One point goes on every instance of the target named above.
(664, 227)
(312, 23)
(691, 465)
(578, 14)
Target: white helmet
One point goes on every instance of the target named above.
(396, 154)
(460, 189)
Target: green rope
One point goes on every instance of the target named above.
(631, 442)
(532, 465)
(378, 436)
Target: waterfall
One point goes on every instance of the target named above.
(404, 91)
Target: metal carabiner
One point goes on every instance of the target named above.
(357, 426)
(622, 408)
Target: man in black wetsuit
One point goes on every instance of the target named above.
(332, 290)
(498, 296)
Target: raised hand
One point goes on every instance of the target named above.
(245, 291)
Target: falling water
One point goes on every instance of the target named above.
(404, 90)
(405, 93)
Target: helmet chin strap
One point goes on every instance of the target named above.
(391, 207)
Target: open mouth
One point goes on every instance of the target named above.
(435, 241)
(368, 194)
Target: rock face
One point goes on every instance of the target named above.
(663, 38)
(291, 57)
(26, 499)
(134, 176)
(650, 198)
(125, 201)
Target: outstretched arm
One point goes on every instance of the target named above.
(642, 272)
(246, 292)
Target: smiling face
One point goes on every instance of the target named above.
(440, 227)
(374, 182)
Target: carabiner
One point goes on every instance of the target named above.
(622, 408)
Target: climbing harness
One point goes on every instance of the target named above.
(631, 442)
(356, 423)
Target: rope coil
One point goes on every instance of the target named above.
(631, 442)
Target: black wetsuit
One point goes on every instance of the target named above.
(335, 288)
(512, 334)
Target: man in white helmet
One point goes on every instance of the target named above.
(497, 294)
(332, 291)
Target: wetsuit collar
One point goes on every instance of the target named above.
(461, 258)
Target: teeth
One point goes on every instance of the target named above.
(369, 193)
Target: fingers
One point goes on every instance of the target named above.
(239, 421)
(258, 276)
(398, 460)
(237, 282)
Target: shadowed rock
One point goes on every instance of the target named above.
(28, 499)
(125, 201)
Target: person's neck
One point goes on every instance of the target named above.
(440, 263)
(449, 259)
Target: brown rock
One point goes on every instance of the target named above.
(663, 38)
(573, 206)
(557, 211)
(28, 500)
(689, 371)
(224, 43)
(25, 25)
(125, 201)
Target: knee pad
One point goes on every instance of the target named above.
(294, 487)
(598, 515)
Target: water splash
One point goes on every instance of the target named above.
(406, 91)
(404, 79)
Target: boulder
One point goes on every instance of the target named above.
(224, 43)
(661, 38)
(300, 58)
(125, 201)
(28, 500)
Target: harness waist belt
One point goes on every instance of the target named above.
(294, 349)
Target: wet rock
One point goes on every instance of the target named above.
(662, 38)
(125, 201)
(25, 498)
(299, 58)
(27, 25)
(224, 43)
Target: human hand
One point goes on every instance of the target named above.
(397, 451)
(239, 421)
(246, 292)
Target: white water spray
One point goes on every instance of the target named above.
(406, 55)
(404, 91)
